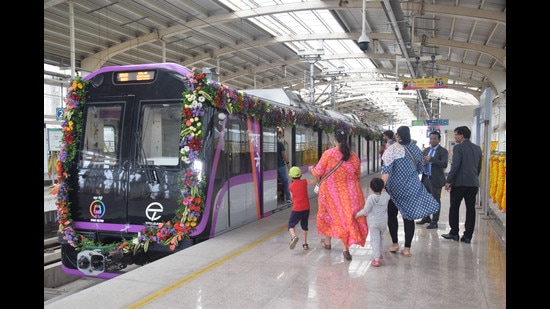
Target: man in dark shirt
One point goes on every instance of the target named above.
(282, 165)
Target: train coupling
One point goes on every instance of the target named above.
(95, 262)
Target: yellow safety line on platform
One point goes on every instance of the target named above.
(196, 274)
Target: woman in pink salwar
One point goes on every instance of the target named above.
(340, 196)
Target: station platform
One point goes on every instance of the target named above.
(253, 267)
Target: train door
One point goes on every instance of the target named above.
(236, 200)
(102, 174)
(270, 184)
(241, 193)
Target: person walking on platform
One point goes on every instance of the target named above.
(376, 211)
(463, 182)
(393, 224)
(436, 158)
(300, 206)
(402, 165)
(340, 196)
(283, 164)
(388, 140)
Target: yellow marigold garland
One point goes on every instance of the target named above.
(493, 177)
(501, 186)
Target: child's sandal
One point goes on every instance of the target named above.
(305, 246)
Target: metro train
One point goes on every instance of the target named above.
(158, 157)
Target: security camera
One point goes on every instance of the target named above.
(396, 88)
(363, 42)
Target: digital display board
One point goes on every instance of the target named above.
(134, 76)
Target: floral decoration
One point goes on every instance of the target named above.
(71, 129)
(199, 91)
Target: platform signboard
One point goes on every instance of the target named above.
(55, 136)
(59, 113)
(425, 83)
(430, 122)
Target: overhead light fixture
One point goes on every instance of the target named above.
(364, 39)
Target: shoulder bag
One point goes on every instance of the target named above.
(316, 189)
(424, 180)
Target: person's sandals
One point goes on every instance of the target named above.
(305, 246)
(325, 245)
(347, 255)
(394, 249)
(406, 252)
(293, 242)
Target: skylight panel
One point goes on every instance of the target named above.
(324, 16)
(272, 25)
(293, 22)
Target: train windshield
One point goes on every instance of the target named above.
(160, 128)
(102, 136)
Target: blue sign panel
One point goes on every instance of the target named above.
(436, 122)
(59, 113)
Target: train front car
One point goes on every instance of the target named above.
(156, 158)
(124, 176)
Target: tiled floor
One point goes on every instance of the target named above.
(249, 268)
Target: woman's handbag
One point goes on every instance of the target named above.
(316, 188)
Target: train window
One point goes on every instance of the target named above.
(306, 146)
(239, 147)
(327, 141)
(109, 138)
(100, 144)
(160, 131)
(269, 160)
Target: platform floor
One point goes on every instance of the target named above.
(253, 267)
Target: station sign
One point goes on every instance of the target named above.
(425, 83)
(430, 122)
(59, 113)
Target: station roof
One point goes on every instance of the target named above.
(263, 44)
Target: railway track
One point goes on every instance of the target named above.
(52, 251)
(65, 285)
(56, 283)
(52, 267)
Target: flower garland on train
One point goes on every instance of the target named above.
(199, 92)
(71, 129)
